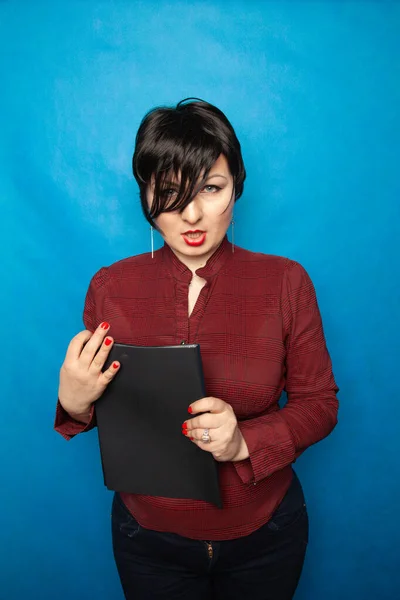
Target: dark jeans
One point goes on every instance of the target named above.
(265, 565)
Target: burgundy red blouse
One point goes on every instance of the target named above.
(259, 328)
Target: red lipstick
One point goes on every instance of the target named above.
(195, 237)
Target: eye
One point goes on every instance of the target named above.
(211, 189)
(168, 193)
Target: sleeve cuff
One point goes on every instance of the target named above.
(245, 470)
(271, 448)
(68, 427)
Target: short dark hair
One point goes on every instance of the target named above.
(187, 138)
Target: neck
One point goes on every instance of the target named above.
(195, 262)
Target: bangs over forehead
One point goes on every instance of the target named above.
(182, 152)
(181, 145)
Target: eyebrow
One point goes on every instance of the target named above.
(171, 183)
(217, 175)
(176, 183)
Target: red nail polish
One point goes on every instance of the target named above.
(107, 341)
(115, 365)
(184, 431)
(191, 439)
(190, 409)
(105, 325)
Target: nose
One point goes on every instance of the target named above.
(192, 213)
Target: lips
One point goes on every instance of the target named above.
(193, 233)
(194, 237)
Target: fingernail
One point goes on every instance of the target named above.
(105, 325)
(191, 439)
(190, 409)
(115, 365)
(184, 431)
(107, 341)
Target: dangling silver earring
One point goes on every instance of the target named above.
(152, 240)
(233, 234)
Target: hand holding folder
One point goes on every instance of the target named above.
(139, 419)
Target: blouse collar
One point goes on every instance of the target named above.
(210, 269)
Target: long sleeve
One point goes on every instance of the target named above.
(64, 423)
(275, 440)
(69, 427)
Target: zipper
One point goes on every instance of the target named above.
(210, 550)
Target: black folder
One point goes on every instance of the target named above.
(139, 419)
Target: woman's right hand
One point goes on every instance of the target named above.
(81, 379)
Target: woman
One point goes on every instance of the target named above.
(257, 321)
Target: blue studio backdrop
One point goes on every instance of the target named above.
(313, 91)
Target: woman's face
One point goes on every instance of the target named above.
(195, 233)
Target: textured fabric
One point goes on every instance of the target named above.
(259, 328)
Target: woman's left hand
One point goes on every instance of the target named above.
(227, 442)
